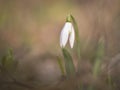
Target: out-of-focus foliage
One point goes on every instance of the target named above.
(7, 62)
(99, 56)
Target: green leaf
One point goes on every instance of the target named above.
(99, 56)
(77, 38)
(69, 66)
(101, 49)
(61, 65)
(96, 69)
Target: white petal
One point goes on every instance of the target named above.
(72, 37)
(65, 34)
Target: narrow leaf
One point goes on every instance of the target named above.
(61, 65)
(69, 66)
(99, 56)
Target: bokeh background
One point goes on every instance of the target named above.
(33, 24)
(32, 29)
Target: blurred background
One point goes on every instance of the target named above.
(32, 29)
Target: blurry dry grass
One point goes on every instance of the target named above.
(32, 29)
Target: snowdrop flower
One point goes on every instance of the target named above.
(67, 33)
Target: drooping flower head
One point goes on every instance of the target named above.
(67, 34)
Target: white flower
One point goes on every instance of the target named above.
(67, 33)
